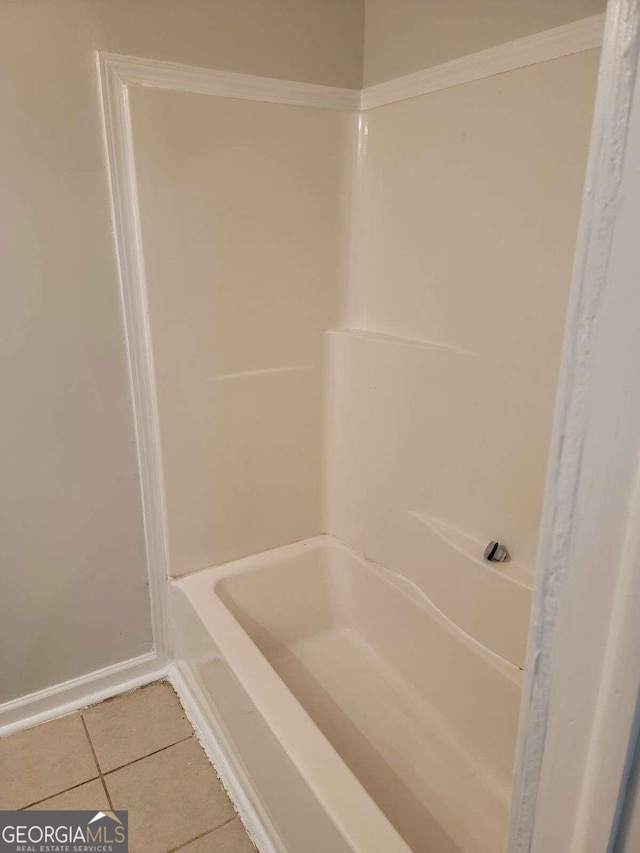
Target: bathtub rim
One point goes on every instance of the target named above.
(401, 585)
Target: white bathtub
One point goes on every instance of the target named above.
(399, 728)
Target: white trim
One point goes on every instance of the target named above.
(79, 692)
(128, 238)
(540, 47)
(578, 700)
(227, 765)
(227, 84)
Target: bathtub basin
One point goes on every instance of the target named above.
(402, 726)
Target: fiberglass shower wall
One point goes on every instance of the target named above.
(443, 388)
(243, 209)
(425, 433)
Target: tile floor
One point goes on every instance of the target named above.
(134, 752)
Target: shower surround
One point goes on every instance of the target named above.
(355, 321)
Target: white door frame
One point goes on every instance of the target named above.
(583, 667)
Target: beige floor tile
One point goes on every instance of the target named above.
(43, 761)
(89, 796)
(134, 725)
(172, 797)
(230, 838)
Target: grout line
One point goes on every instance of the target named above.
(95, 758)
(100, 774)
(57, 793)
(148, 755)
(106, 790)
(203, 834)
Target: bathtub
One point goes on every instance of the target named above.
(395, 729)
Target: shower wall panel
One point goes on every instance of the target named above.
(443, 386)
(243, 207)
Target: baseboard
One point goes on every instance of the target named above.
(61, 699)
(227, 765)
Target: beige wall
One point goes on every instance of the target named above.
(402, 36)
(74, 588)
(442, 409)
(317, 41)
(243, 207)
